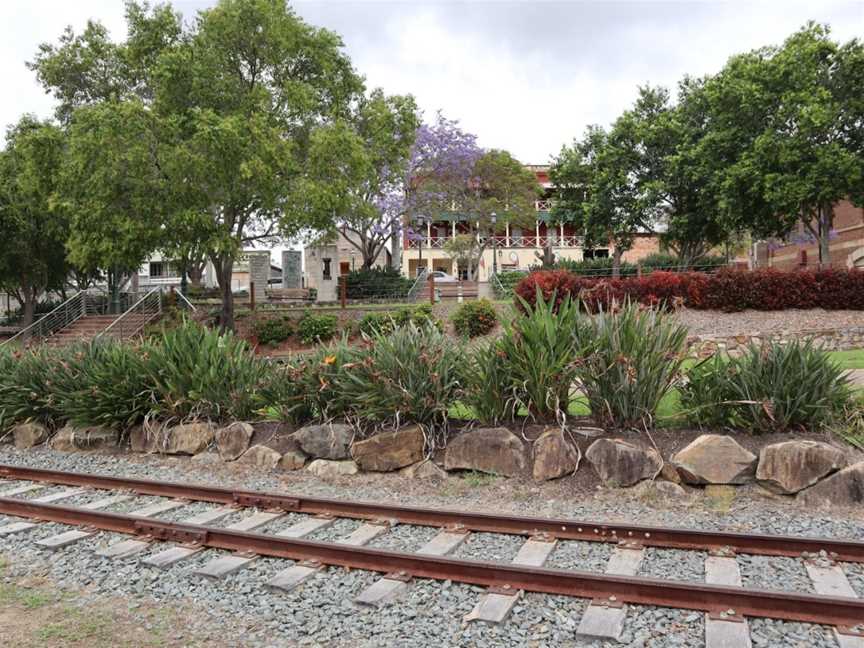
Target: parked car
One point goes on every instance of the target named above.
(442, 277)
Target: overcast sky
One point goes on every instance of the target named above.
(524, 76)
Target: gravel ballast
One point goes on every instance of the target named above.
(322, 612)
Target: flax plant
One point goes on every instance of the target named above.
(635, 361)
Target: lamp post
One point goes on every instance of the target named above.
(494, 219)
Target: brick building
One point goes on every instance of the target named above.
(516, 248)
(846, 244)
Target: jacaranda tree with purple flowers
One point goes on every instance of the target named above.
(357, 168)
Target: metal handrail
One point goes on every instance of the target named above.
(421, 276)
(136, 316)
(185, 300)
(69, 311)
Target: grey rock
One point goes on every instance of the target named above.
(261, 456)
(390, 451)
(715, 459)
(328, 469)
(554, 455)
(28, 435)
(188, 439)
(490, 450)
(233, 440)
(621, 464)
(426, 469)
(328, 441)
(843, 488)
(791, 466)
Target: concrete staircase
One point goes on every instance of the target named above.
(83, 329)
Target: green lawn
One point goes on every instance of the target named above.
(849, 359)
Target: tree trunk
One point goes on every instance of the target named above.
(196, 273)
(617, 252)
(28, 305)
(224, 270)
(826, 220)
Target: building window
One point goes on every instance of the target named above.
(516, 237)
(596, 253)
(162, 269)
(326, 269)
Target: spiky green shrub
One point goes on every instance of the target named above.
(488, 385)
(635, 361)
(771, 387)
(543, 349)
(385, 322)
(306, 388)
(475, 318)
(109, 384)
(199, 373)
(408, 375)
(28, 383)
(317, 328)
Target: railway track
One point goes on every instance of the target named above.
(726, 604)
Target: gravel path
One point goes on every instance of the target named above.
(321, 612)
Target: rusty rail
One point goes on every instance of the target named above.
(789, 606)
(671, 538)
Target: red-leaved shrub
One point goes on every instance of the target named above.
(726, 290)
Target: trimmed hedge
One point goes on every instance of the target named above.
(725, 290)
(475, 318)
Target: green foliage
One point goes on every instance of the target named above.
(385, 322)
(770, 388)
(376, 283)
(199, 373)
(475, 318)
(488, 384)
(408, 375)
(543, 349)
(507, 281)
(635, 360)
(272, 330)
(33, 229)
(29, 382)
(109, 385)
(595, 267)
(316, 328)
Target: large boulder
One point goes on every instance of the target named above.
(390, 450)
(490, 450)
(94, 438)
(28, 435)
(233, 440)
(622, 464)
(792, 466)
(715, 459)
(328, 441)
(426, 469)
(146, 438)
(62, 439)
(188, 439)
(261, 457)
(660, 490)
(293, 457)
(843, 488)
(331, 469)
(554, 456)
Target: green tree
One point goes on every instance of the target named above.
(32, 230)
(501, 191)
(356, 170)
(223, 113)
(795, 113)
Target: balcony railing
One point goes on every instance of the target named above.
(537, 242)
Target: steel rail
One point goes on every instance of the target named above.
(789, 606)
(671, 538)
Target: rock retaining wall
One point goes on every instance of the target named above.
(841, 339)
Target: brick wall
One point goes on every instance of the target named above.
(846, 247)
